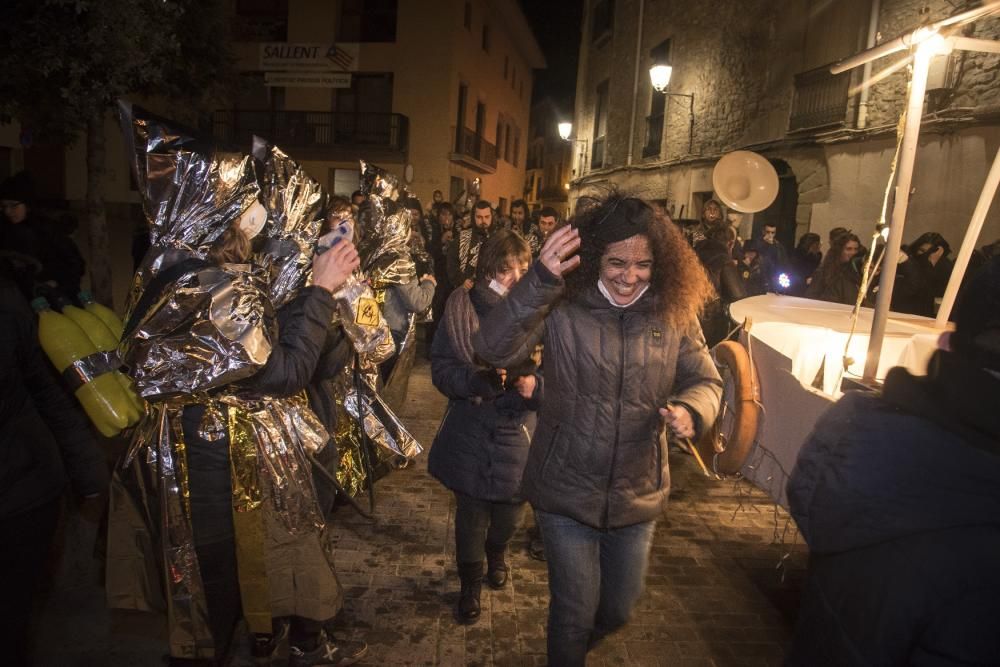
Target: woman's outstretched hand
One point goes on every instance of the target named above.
(559, 252)
(332, 268)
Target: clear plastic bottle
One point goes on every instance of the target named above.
(65, 342)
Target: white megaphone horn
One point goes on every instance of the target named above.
(745, 181)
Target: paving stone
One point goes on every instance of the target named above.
(713, 594)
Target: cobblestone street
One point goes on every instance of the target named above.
(714, 596)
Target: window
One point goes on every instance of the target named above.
(601, 111)
(343, 181)
(367, 21)
(517, 144)
(369, 93)
(499, 129)
(600, 126)
(658, 55)
(467, 21)
(456, 188)
(486, 38)
(506, 144)
(502, 205)
(602, 20)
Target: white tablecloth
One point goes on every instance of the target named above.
(813, 335)
(790, 340)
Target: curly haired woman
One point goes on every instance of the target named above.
(624, 357)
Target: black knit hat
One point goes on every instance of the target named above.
(977, 318)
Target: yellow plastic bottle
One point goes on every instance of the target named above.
(64, 342)
(103, 313)
(105, 341)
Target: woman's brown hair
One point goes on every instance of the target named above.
(232, 247)
(496, 250)
(678, 282)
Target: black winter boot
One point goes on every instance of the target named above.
(471, 575)
(496, 566)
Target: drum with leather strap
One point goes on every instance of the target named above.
(725, 447)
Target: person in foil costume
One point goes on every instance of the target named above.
(213, 511)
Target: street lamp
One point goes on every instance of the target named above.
(565, 130)
(659, 76)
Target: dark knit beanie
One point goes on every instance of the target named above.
(977, 318)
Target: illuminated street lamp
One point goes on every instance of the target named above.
(565, 130)
(659, 76)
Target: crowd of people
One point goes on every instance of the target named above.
(542, 333)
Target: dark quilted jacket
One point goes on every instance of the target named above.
(898, 498)
(482, 445)
(596, 455)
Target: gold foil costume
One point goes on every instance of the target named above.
(198, 341)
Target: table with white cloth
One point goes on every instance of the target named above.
(790, 341)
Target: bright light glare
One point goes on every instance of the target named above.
(659, 76)
(885, 232)
(565, 129)
(784, 281)
(936, 45)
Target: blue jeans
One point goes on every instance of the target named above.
(595, 578)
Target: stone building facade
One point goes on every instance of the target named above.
(549, 168)
(758, 71)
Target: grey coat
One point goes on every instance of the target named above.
(403, 299)
(596, 455)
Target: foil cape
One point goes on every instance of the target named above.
(201, 332)
(359, 312)
(150, 508)
(212, 327)
(383, 230)
(296, 205)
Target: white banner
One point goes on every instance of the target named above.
(308, 79)
(294, 56)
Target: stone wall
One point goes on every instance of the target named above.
(974, 74)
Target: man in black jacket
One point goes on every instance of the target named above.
(45, 442)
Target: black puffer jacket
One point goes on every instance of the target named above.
(482, 445)
(44, 438)
(596, 455)
(898, 497)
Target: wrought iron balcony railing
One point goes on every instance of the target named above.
(820, 99)
(315, 130)
(468, 144)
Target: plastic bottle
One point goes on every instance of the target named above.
(103, 313)
(105, 341)
(65, 342)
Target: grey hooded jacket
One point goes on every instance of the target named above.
(596, 455)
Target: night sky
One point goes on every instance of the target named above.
(557, 28)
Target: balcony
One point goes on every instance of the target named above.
(473, 151)
(597, 153)
(317, 134)
(820, 100)
(654, 135)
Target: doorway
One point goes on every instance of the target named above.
(781, 212)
